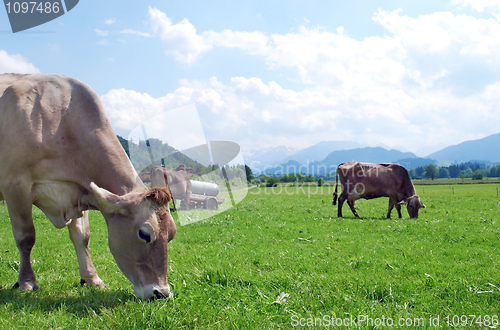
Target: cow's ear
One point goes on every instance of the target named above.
(109, 202)
(403, 202)
(160, 195)
(422, 205)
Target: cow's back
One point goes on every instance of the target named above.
(55, 128)
(55, 138)
(377, 180)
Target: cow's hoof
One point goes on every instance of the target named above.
(93, 282)
(27, 286)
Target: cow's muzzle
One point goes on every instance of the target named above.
(153, 292)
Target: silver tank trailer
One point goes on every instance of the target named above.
(204, 188)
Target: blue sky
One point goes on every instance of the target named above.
(413, 74)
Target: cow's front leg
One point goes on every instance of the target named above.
(79, 232)
(351, 205)
(398, 208)
(339, 208)
(19, 206)
(391, 205)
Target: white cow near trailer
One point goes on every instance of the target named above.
(59, 152)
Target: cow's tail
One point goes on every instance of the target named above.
(336, 185)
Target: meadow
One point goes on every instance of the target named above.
(281, 258)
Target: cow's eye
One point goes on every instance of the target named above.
(145, 236)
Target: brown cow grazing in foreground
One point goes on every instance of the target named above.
(366, 180)
(59, 152)
(176, 180)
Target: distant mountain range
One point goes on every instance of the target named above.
(267, 156)
(367, 155)
(330, 153)
(319, 151)
(330, 162)
(485, 149)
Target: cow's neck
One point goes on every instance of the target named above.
(120, 178)
(115, 172)
(410, 190)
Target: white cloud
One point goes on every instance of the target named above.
(15, 64)
(443, 50)
(253, 43)
(323, 57)
(135, 33)
(179, 40)
(442, 32)
(434, 78)
(480, 6)
(110, 21)
(101, 33)
(127, 108)
(250, 111)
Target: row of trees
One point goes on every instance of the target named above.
(465, 170)
(292, 177)
(472, 170)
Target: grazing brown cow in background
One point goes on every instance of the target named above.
(183, 167)
(176, 180)
(59, 152)
(367, 180)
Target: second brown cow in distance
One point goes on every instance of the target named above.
(176, 180)
(368, 180)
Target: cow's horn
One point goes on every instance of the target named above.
(108, 202)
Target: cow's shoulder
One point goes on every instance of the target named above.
(49, 88)
(348, 165)
(398, 168)
(7, 79)
(350, 169)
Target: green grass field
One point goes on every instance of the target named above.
(280, 256)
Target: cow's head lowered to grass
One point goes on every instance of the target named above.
(413, 204)
(139, 228)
